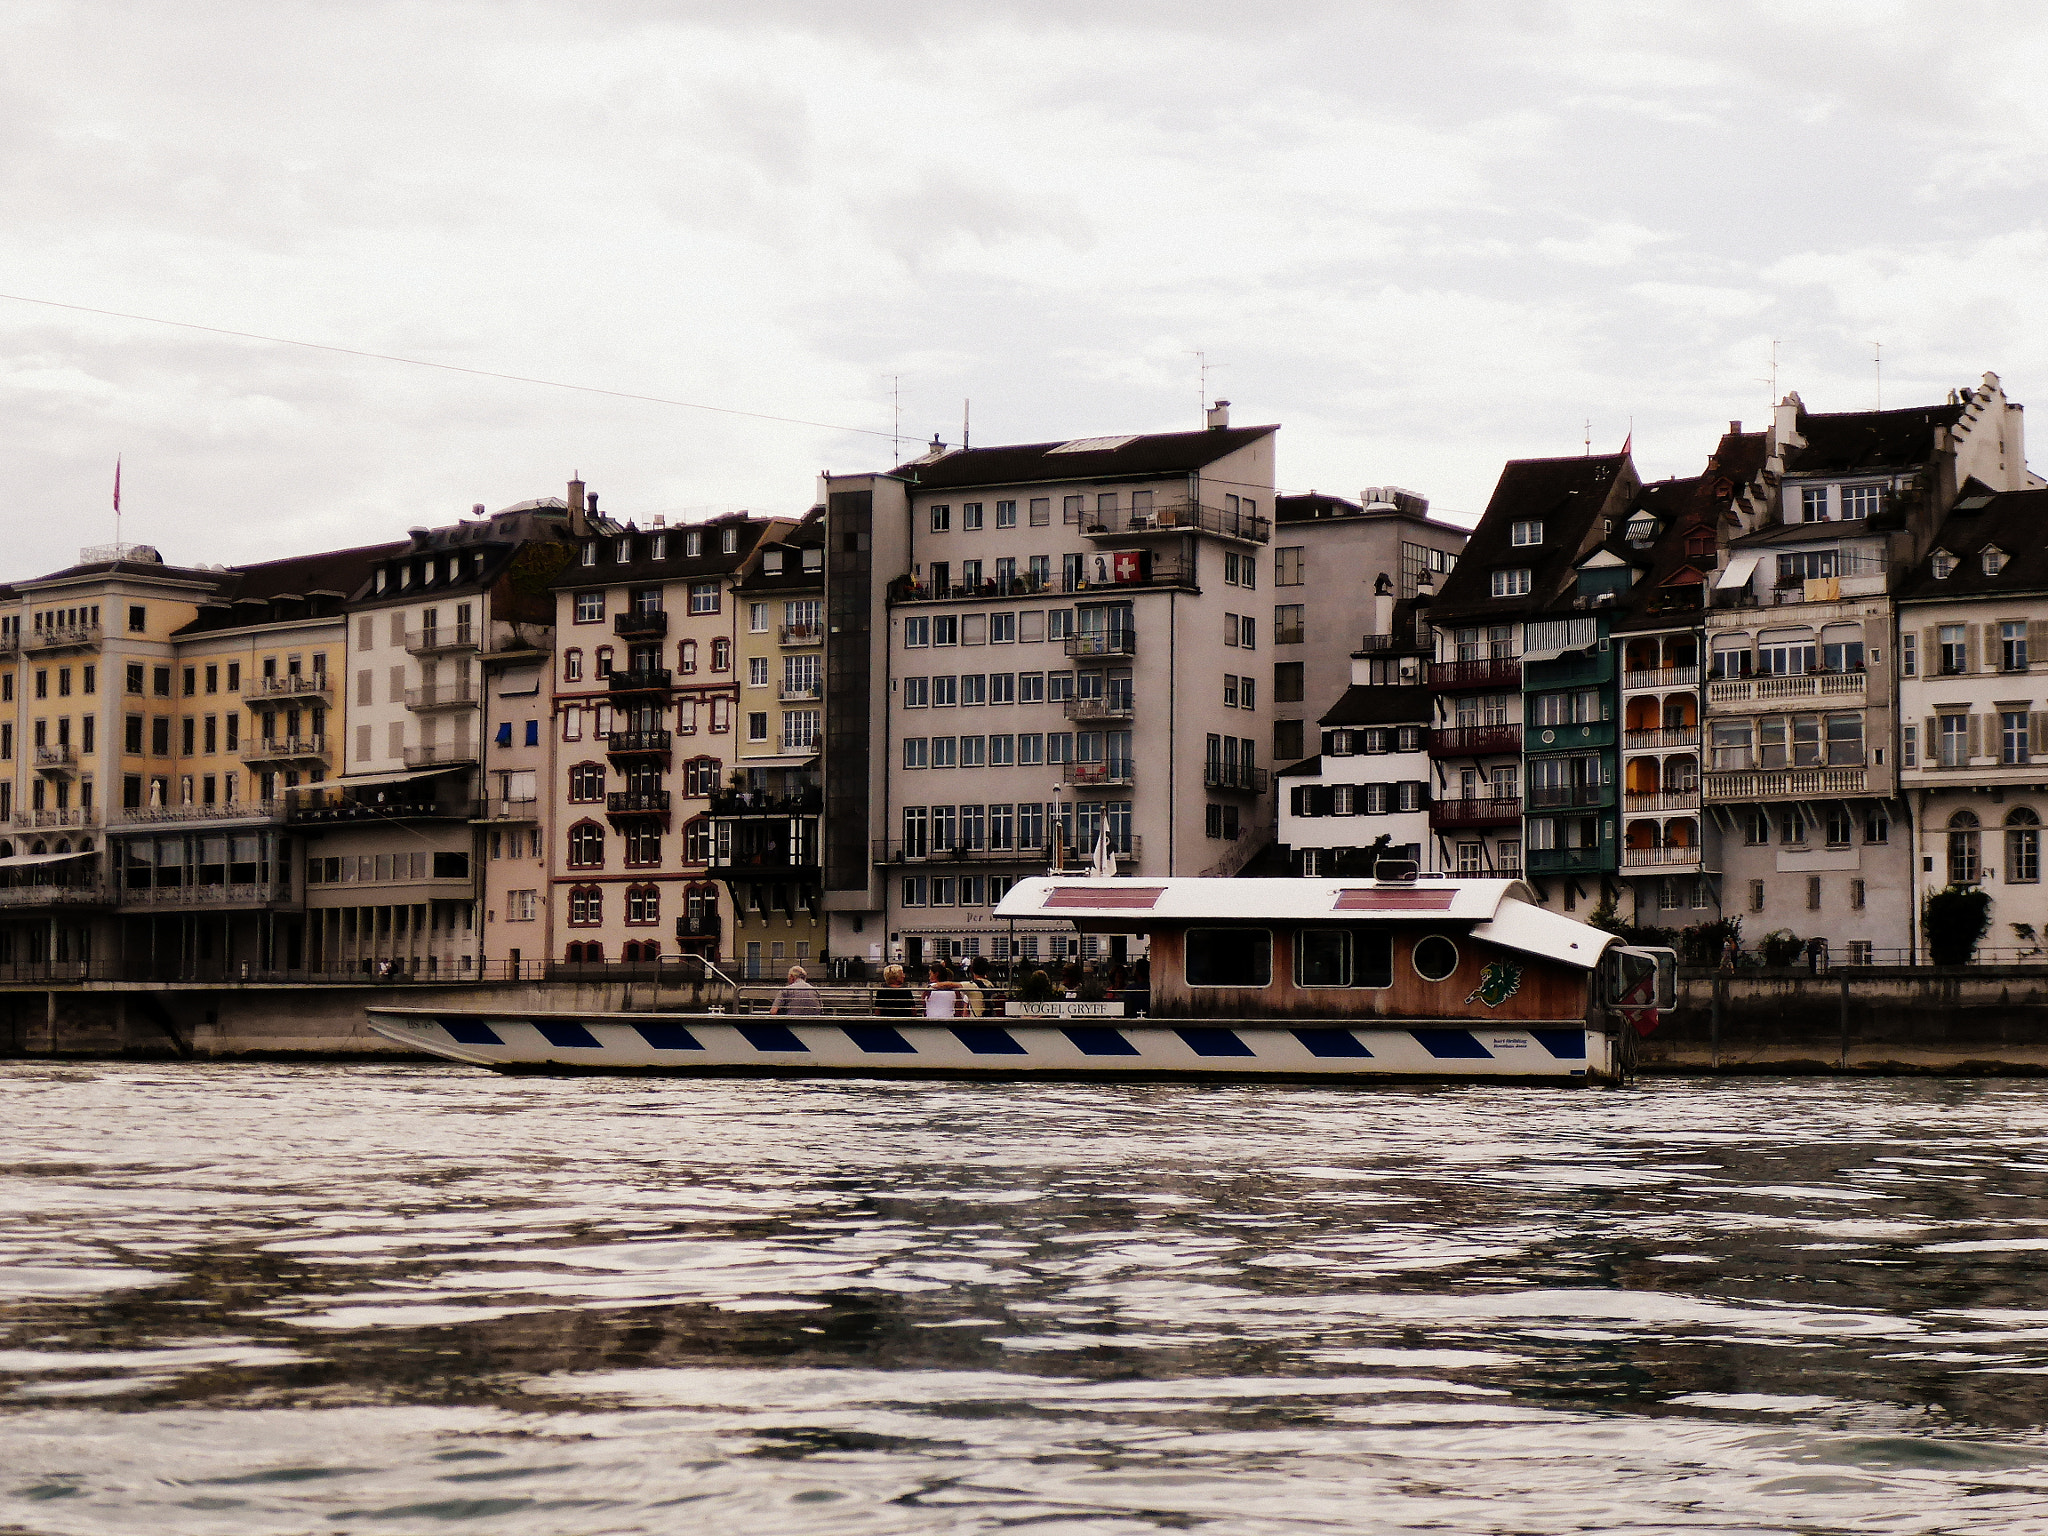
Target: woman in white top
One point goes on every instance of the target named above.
(942, 998)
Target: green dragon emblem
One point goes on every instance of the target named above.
(1500, 981)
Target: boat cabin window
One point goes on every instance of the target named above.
(1340, 957)
(1229, 957)
(1435, 957)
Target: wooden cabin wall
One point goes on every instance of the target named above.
(1549, 989)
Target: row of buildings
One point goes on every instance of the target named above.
(1792, 687)
(1796, 688)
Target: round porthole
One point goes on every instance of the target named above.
(1435, 957)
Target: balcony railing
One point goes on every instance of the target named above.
(1664, 800)
(1098, 775)
(443, 696)
(893, 850)
(456, 637)
(498, 808)
(69, 816)
(1747, 690)
(765, 866)
(1180, 517)
(1558, 797)
(1566, 861)
(440, 755)
(1234, 777)
(240, 893)
(640, 626)
(1115, 707)
(346, 808)
(1475, 741)
(286, 749)
(696, 929)
(637, 802)
(292, 686)
(624, 743)
(1479, 811)
(640, 680)
(60, 759)
(801, 694)
(62, 638)
(1662, 677)
(1667, 736)
(1160, 572)
(55, 896)
(1107, 642)
(800, 634)
(220, 810)
(747, 802)
(1487, 672)
(1784, 783)
(1659, 858)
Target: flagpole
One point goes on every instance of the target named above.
(117, 503)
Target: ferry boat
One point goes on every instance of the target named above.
(1397, 976)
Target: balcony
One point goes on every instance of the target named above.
(801, 693)
(298, 686)
(637, 802)
(1231, 777)
(1491, 672)
(1108, 642)
(429, 642)
(1566, 861)
(1480, 811)
(69, 816)
(1658, 740)
(1571, 670)
(72, 637)
(639, 743)
(442, 696)
(1476, 741)
(1116, 707)
(1562, 797)
(1750, 690)
(748, 802)
(1662, 677)
(1570, 738)
(1159, 572)
(1179, 517)
(220, 810)
(346, 809)
(289, 749)
(14, 896)
(1101, 775)
(1784, 783)
(698, 928)
(440, 755)
(230, 895)
(1660, 858)
(499, 809)
(765, 868)
(1663, 800)
(57, 759)
(640, 626)
(892, 850)
(640, 680)
(800, 634)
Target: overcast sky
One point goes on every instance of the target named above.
(1424, 238)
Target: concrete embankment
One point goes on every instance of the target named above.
(1963, 1020)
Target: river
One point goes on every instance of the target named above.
(281, 1299)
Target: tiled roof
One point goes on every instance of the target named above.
(1566, 495)
(1847, 442)
(1364, 705)
(610, 572)
(2011, 520)
(1153, 454)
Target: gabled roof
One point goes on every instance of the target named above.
(1142, 457)
(1566, 495)
(2013, 521)
(675, 565)
(1363, 704)
(1850, 442)
(267, 593)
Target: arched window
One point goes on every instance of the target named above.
(586, 905)
(643, 904)
(572, 666)
(697, 841)
(721, 655)
(2022, 847)
(586, 846)
(700, 777)
(6, 848)
(643, 845)
(586, 782)
(1964, 864)
(591, 952)
(642, 950)
(686, 656)
(700, 912)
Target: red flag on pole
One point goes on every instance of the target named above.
(117, 482)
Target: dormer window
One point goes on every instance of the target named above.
(590, 553)
(771, 562)
(1943, 563)
(1861, 501)
(693, 544)
(1994, 558)
(381, 575)
(1813, 504)
(623, 553)
(1529, 531)
(1642, 529)
(1514, 583)
(814, 558)
(658, 547)
(729, 541)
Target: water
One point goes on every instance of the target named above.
(421, 1299)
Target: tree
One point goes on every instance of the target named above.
(1955, 919)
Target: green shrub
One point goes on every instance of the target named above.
(1781, 947)
(1955, 919)
(1701, 944)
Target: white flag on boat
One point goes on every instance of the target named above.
(1103, 865)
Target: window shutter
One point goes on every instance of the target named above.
(2037, 734)
(1326, 802)
(2037, 641)
(1970, 664)
(1930, 743)
(1976, 732)
(1930, 651)
(1294, 802)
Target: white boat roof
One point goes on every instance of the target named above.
(1502, 912)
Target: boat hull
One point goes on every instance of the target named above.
(698, 1044)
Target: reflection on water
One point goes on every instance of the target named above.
(269, 1299)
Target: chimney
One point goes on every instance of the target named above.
(578, 524)
(1219, 414)
(1735, 429)
(1383, 606)
(591, 501)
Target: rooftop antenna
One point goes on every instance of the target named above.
(117, 500)
(1771, 382)
(1589, 437)
(896, 400)
(1202, 366)
(1877, 361)
(966, 440)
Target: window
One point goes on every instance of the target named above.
(704, 595)
(1993, 559)
(1229, 957)
(942, 519)
(1288, 623)
(1756, 895)
(1841, 826)
(1041, 512)
(1951, 649)
(1471, 858)
(1434, 957)
(917, 692)
(1525, 533)
(970, 515)
(1877, 826)
(586, 846)
(945, 691)
(1287, 565)
(1512, 583)
(700, 777)
(916, 633)
(2012, 647)
(1964, 865)
(586, 905)
(1909, 655)
(1861, 501)
(1845, 741)
(1230, 690)
(2022, 847)
(686, 656)
(1287, 682)
(1813, 893)
(1857, 891)
(916, 752)
(1952, 741)
(1002, 629)
(586, 782)
(589, 607)
(721, 655)
(757, 670)
(1323, 957)
(757, 618)
(946, 630)
(2012, 736)
(1943, 564)
(1248, 632)
(1813, 504)
(643, 845)
(757, 725)
(1006, 514)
